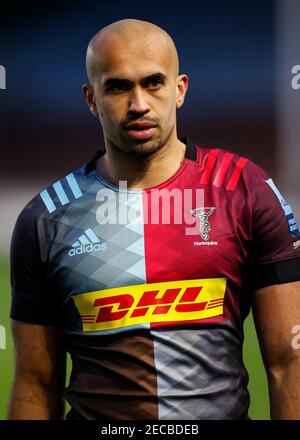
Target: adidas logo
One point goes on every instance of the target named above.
(87, 242)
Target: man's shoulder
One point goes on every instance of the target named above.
(219, 154)
(222, 166)
(53, 199)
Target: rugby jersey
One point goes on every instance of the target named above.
(151, 287)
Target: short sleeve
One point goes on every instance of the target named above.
(275, 246)
(33, 300)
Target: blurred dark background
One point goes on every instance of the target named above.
(226, 48)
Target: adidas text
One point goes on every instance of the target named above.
(89, 248)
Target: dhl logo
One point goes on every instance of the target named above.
(174, 301)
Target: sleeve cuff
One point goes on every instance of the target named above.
(27, 308)
(276, 272)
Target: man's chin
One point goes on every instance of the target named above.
(142, 148)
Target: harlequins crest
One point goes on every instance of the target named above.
(204, 226)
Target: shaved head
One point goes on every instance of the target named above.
(126, 36)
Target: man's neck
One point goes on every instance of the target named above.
(141, 173)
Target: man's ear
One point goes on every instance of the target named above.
(89, 97)
(181, 88)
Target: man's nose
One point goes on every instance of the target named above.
(138, 102)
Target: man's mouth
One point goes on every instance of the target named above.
(141, 130)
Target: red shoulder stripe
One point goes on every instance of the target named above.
(236, 173)
(209, 166)
(227, 158)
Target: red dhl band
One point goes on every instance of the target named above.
(149, 303)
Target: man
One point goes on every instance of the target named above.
(152, 311)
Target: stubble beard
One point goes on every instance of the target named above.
(141, 149)
(144, 149)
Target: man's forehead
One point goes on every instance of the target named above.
(119, 52)
(133, 66)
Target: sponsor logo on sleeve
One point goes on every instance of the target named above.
(296, 244)
(291, 221)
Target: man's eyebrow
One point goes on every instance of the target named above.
(157, 76)
(112, 81)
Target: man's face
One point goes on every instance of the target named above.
(136, 93)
